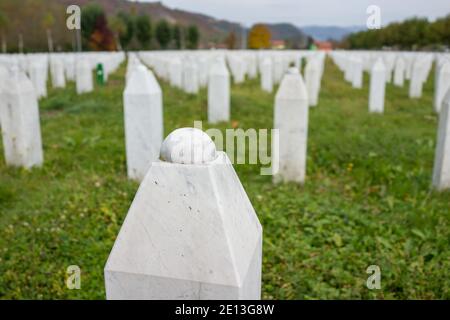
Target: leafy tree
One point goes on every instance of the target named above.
(176, 35)
(118, 27)
(89, 16)
(410, 34)
(259, 37)
(127, 35)
(231, 40)
(163, 34)
(94, 28)
(143, 30)
(193, 36)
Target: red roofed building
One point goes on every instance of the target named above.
(323, 45)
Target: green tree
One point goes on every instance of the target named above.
(193, 36)
(143, 30)
(176, 35)
(89, 17)
(163, 34)
(118, 27)
(127, 35)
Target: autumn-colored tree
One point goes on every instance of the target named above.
(95, 30)
(259, 37)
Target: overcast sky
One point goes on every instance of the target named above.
(311, 12)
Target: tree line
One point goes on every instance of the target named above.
(36, 25)
(131, 31)
(411, 34)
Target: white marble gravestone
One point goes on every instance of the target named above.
(442, 85)
(291, 119)
(377, 87)
(143, 111)
(399, 72)
(57, 73)
(20, 125)
(219, 93)
(416, 83)
(191, 231)
(38, 77)
(312, 81)
(441, 173)
(176, 73)
(266, 75)
(190, 77)
(84, 77)
(357, 77)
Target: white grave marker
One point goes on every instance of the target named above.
(377, 87)
(191, 231)
(291, 119)
(143, 113)
(219, 93)
(21, 130)
(441, 174)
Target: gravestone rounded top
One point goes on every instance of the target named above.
(188, 146)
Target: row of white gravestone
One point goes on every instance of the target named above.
(19, 108)
(189, 70)
(402, 65)
(191, 231)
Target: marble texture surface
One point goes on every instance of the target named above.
(291, 119)
(441, 172)
(191, 233)
(143, 112)
(20, 124)
(219, 93)
(377, 87)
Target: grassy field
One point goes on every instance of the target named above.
(367, 200)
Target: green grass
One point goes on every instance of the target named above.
(367, 199)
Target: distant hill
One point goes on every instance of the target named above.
(211, 29)
(27, 21)
(323, 33)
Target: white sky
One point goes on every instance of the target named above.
(311, 12)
